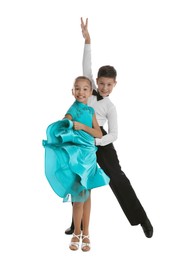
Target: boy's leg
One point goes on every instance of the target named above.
(70, 230)
(122, 189)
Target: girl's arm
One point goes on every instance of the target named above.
(95, 130)
(68, 116)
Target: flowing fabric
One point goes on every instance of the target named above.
(70, 162)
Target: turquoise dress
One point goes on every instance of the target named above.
(70, 157)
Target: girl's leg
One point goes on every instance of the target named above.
(85, 220)
(70, 230)
(86, 216)
(77, 217)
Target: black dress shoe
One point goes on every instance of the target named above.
(69, 231)
(147, 228)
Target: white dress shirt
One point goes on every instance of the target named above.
(105, 110)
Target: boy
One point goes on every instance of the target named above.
(106, 154)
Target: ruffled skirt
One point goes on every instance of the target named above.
(70, 162)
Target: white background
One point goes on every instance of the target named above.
(41, 49)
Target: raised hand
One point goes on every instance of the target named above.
(85, 32)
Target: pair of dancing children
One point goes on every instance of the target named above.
(78, 142)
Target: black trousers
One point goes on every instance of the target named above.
(108, 160)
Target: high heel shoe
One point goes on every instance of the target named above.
(85, 245)
(74, 245)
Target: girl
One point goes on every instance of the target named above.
(70, 159)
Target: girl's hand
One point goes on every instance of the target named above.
(78, 126)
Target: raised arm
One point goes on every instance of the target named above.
(87, 62)
(85, 33)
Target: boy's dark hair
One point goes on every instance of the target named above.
(107, 72)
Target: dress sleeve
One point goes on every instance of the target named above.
(87, 64)
(71, 111)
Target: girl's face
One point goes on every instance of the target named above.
(105, 86)
(82, 90)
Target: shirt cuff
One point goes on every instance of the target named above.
(97, 141)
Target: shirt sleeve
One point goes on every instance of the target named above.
(112, 134)
(87, 64)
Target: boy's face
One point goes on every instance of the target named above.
(105, 86)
